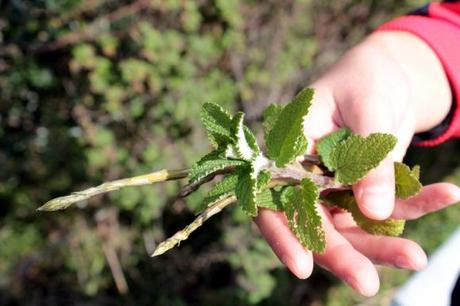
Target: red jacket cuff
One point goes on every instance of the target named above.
(444, 38)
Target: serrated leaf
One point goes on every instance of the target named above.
(354, 157)
(407, 183)
(301, 211)
(346, 200)
(270, 198)
(263, 179)
(286, 139)
(271, 115)
(206, 167)
(216, 154)
(252, 140)
(220, 190)
(246, 144)
(246, 191)
(416, 171)
(218, 124)
(327, 144)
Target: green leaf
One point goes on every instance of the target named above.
(416, 171)
(246, 191)
(263, 179)
(267, 198)
(407, 183)
(286, 139)
(246, 144)
(303, 218)
(220, 190)
(270, 198)
(218, 124)
(252, 140)
(206, 167)
(327, 144)
(346, 200)
(354, 157)
(271, 115)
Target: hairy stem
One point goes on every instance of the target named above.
(298, 173)
(183, 234)
(145, 179)
(190, 188)
(311, 159)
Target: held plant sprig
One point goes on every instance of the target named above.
(282, 179)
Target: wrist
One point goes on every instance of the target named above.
(430, 92)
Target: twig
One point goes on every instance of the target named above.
(310, 159)
(115, 268)
(324, 182)
(182, 235)
(146, 179)
(190, 188)
(210, 211)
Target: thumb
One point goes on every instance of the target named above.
(375, 193)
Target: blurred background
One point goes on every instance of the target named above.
(95, 90)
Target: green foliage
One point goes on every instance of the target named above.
(270, 199)
(263, 179)
(204, 168)
(220, 190)
(326, 145)
(246, 146)
(286, 140)
(271, 114)
(246, 190)
(300, 206)
(355, 156)
(407, 183)
(218, 124)
(346, 200)
(251, 174)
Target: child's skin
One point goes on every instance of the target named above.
(391, 82)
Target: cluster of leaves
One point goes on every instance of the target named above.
(345, 157)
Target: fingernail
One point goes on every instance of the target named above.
(377, 203)
(353, 283)
(296, 267)
(363, 289)
(419, 263)
(456, 195)
(303, 271)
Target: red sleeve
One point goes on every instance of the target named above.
(440, 28)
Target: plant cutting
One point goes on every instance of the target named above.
(281, 177)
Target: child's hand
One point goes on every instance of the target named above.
(351, 252)
(394, 83)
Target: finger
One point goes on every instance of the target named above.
(320, 120)
(274, 228)
(375, 193)
(431, 198)
(390, 251)
(347, 263)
